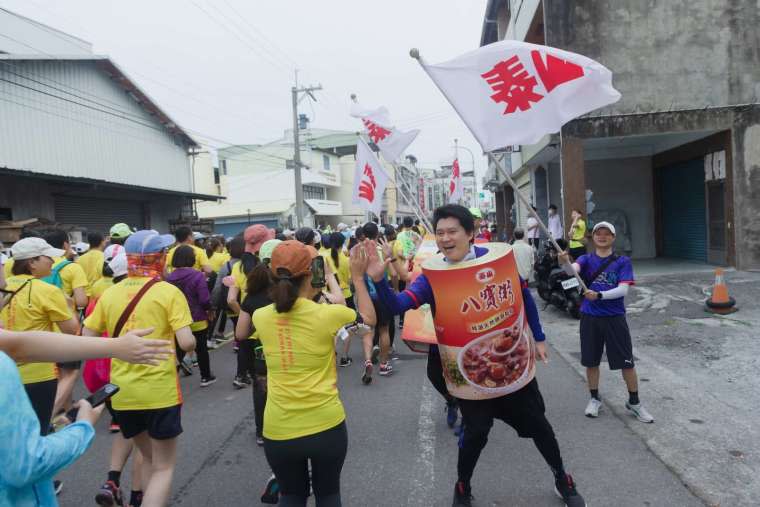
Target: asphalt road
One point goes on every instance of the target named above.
(400, 450)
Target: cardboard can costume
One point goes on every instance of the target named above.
(486, 346)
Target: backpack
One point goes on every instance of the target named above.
(54, 278)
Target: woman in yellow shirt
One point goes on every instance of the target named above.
(33, 305)
(304, 419)
(577, 235)
(339, 265)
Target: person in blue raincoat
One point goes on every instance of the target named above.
(29, 460)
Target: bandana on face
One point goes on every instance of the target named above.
(150, 265)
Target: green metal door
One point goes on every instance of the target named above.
(682, 188)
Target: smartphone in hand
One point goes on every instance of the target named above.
(95, 399)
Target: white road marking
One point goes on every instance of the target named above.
(423, 475)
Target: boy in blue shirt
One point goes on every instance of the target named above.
(603, 322)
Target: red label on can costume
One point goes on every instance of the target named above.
(486, 345)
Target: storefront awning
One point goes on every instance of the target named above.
(325, 208)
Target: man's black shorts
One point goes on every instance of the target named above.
(523, 410)
(382, 314)
(160, 423)
(610, 332)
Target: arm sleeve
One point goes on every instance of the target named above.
(28, 457)
(620, 291)
(531, 312)
(418, 293)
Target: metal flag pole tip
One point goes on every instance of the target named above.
(414, 53)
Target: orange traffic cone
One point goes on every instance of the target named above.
(720, 302)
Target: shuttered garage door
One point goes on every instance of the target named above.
(97, 215)
(683, 211)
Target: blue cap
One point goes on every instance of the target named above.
(147, 242)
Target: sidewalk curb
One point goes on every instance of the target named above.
(623, 416)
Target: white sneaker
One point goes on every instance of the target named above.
(592, 409)
(640, 412)
(210, 344)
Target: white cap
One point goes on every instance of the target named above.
(604, 225)
(81, 247)
(342, 227)
(29, 248)
(116, 258)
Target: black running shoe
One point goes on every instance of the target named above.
(565, 489)
(367, 374)
(462, 495)
(271, 494)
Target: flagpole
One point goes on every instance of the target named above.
(415, 53)
(461, 180)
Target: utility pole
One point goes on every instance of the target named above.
(296, 91)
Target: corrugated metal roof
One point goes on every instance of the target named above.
(119, 77)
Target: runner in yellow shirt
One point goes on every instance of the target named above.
(92, 260)
(34, 305)
(184, 236)
(304, 418)
(148, 406)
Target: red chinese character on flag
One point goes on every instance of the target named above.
(375, 131)
(513, 85)
(368, 185)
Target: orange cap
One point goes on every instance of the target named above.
(292, 259)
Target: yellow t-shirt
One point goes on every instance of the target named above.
(342, 270)
(302, 392)
(241, 279)
(72, 276)
(92, 264)
(201, 259)
(217, 260)
(100, 286)
(578, 234)
(8, 268)
(163, 308)
(35, 308)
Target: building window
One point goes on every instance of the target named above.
(313, 192)
(326, 162)
(216, 175)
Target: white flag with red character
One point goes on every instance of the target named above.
(391, 141)
(513, 92)
(456, 191)
(370, 179)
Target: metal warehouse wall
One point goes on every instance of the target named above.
(44, 134)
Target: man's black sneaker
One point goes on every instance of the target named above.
(345, 361)
(239, 382)
(565, 489)
(207, 381)
(462, 495)
(109, 495)
(271, 494)
(57, 486)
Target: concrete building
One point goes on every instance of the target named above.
(80, 143)
(259, 183)
(674, 164)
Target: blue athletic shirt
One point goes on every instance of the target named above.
(420, 292)
(619, 271)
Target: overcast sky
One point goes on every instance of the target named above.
(225, 67)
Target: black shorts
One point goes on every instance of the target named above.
(523, 410)
(42, 397)
(71, 365)
(610, 332)
(382, 314)
(160, 423)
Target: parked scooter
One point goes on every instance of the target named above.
(554, 285)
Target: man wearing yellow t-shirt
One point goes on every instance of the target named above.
(149, 403)
(37, 306)
(184, 236)
(92, 260)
